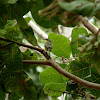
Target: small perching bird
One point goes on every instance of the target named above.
(48, 45)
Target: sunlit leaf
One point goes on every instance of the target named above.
(61, 45)
(50, 75)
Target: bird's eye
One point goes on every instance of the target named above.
(49, 47)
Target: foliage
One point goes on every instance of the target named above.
(21, 80)
(61, 45)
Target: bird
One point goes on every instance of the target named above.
(48, 45)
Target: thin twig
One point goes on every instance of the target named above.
(28, 46)
(91, 42)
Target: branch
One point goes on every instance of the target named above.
(73, 77)
(76, 79)
(53, 5)
(52, 63)
(36, 62)
(88, 25)
(28, 46)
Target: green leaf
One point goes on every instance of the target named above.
(44, 22)
(95, 78)
(29, 36)
(27, 31)
(71, 87)
(76, 33)
(8, 1)
(64, 66)
(95, 92)
(28, 55)
(29, 92)
(61, 46)
(80, 68)
(96, 57)
(74, 90)
(16, 83)
(2, 94)
(46, 3)
(83, 7)
(55, 89)
(3, 16)
(14, 96)
(12, 31)
(50, 75)
(11, 55)
(21, 8)
(26, 0)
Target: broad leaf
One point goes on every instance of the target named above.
(65, 67)
(14, 96)
(44, 22)
(83, 7)
(61, 45)
(15, 82)
(29, 91)
(50, 75)
(80, 68)
(95, 78)
(21, 8)
(3, 16)
(12, 31)
(77, 33)
(2, 94)
(55, 89)
(96, 57)
(11, 55)
(27, 31)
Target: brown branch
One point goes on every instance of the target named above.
(38, 62)
(89, 26)
(52, 63)
(73, 77)
(54, 4)
(28, 46)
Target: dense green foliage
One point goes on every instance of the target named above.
(21, 80)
